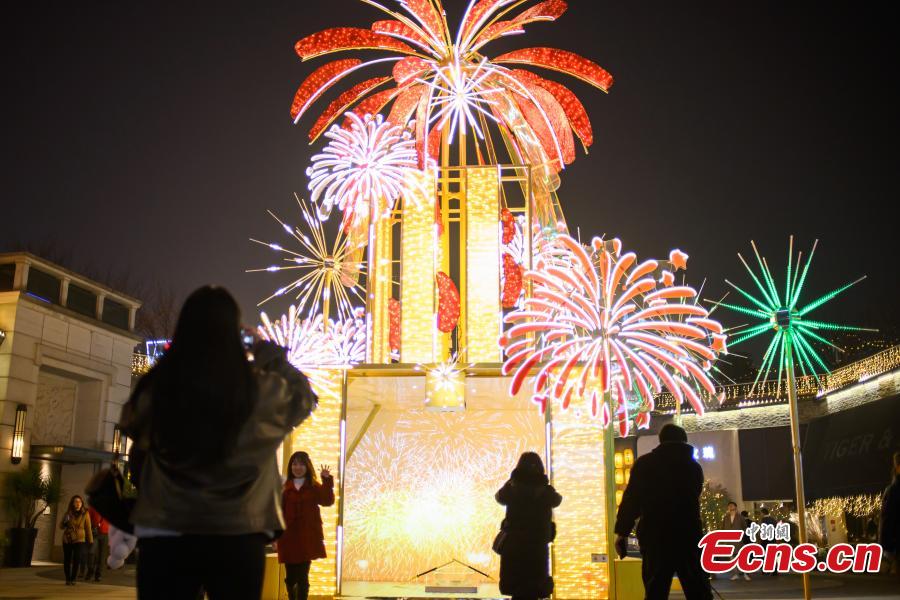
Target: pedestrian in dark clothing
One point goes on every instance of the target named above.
(889, 534)
(76, 526)
(303, 540)
(206, 423)
(664, 492)
(524, 557)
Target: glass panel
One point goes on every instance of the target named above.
(115, 314)
(82, 301)
(7, 276)
(43, 286)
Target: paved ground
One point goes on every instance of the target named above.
(46, 583)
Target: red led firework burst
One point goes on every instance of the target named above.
(599, 321)
(444, 81)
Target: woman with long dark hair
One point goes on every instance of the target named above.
(528, 527)
(76, 526)
(303, 538)
(206, 422)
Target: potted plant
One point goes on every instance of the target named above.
(28, 493)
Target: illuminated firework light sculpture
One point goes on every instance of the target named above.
(782, 314)
(326, 271)
(449, 89)
(599, 326)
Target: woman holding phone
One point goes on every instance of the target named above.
(303, 540)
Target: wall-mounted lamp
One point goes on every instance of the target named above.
(117, 440)
(18, 445)
(2, 337)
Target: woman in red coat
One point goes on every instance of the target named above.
(303, 540)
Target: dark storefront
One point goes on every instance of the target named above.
(844, 454)
(850, 452)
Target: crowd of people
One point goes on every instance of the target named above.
(205, 512)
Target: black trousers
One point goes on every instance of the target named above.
(296, 578)
(228, 567)
(661, 562)
(72, 555)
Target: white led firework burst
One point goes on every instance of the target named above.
(460, 96)
(363, 169)
(599, 321)
(327, 273)
(312, 345)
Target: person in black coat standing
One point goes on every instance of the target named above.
(664, 491)
(524, 557)
(889, 534)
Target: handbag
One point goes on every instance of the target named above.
(499, 541)
(106, 494)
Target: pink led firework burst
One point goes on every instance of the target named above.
(445, 83)
(363, 169)
(598, 321)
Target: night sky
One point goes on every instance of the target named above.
(150, 137)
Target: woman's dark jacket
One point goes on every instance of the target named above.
(529, 502)
(239, 494)
(524, 567)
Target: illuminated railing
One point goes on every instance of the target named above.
(140, 364)
(743, 395)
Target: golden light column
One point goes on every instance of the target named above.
(482, 276)
(418, 255)
(578, 466)
(380, 287)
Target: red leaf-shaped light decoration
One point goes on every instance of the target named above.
(394, 324)
(405, 104)
(558, 129)
(318, 81)
(512, 281)
(372, 105)
(409, 68)
(448, 303)
(428, 16)
(337, 39)
(402, 31)
(571, 105)
(550, 10)
(340, 105)
(478, 10)
(562, 61)
(508, 221)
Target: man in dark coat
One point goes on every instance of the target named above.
(889, 535)
(664, 491)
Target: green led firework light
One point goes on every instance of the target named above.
(782, 314)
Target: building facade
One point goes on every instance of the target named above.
(66, 347)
